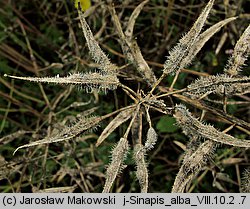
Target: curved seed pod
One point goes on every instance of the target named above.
(245, 185)
(83, 124)
(119, 154)
(141, 167)
(151, 139)
(240, 54)
(130, 27)
(193, 165)
(219, 84)
(140, 63)
(202, 39)
(186, 43)
(88, 80)
(192, 127)
(130, 47)
(95, 51)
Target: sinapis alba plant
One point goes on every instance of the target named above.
(204, 138)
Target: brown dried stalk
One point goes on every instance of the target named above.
(7, 168)
(10, 137)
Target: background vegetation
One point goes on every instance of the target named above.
(43, 38)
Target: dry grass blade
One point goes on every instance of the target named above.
(141, 167)
(88, 80)
(192, 165)
(203, 38)
(10, 137)
(240, 54)
(95, 51)
(67, 189)
(122, 117)
(8, 167)
(119, 153)
(220, 84)
(192, 127)
(186, 43)
(83, 124)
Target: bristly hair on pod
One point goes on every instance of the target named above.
(202, 39)
(151, 139)
(176, 56)
(245, 184)
(192, 165)
(192, 127)
(95, 51)
(240, 54)
(220, 84)
(80, 126)
(141, 167)
(119, 154)
(91, 80)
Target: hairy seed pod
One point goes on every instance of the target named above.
(245, 185)
(80, 126)
(192, 127)
(151, 139)
(176, 56)
(90, 80)
(95, 51)
(192, 165)
(119, 153)
(240, 54)
(220, 84)
(141, 167)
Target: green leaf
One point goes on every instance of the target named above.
(166, 124)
